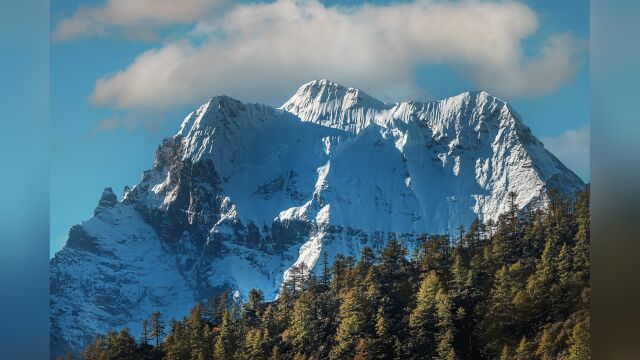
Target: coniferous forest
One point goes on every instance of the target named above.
(517, 288)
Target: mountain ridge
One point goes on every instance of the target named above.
(243, 192)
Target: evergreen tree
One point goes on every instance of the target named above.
(221, 305)
(121, 345)
(176, 345)
(98, 349)
(252, 309)
(362, 350)
(547, 345)
(384, 340)
(505, 354)
(499, 285)
(444, 325)
(582, 258)
(580, 341)
(255, 345)
(157, 327)
(326, 271)
(275, 354)
(523, 351)
(353, 324)
(301, 329)
(338, 274)
(144, 332)
(434, 254)
(393, 257)
(196, 327)
(501, 320)
(225, 342)
(423, 319)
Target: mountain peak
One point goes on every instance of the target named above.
(478, 96)
(108, 199)
(327, 103)
(328, 94)
(244, 192)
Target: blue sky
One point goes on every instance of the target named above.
(124, 73)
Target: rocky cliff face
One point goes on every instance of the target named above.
(243, 192)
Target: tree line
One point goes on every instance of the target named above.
(516, 288)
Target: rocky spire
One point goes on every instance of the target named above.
(107, 201)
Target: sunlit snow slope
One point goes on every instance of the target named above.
(243, 191)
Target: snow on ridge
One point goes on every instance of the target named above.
(243, 192)
(481, 146)
(330, 104)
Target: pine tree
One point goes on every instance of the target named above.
(460, 279)
(367, 260)
(176, 345)
(582, 258)
(338, 272)
(300, 331)
(547, 345)
(221, 306)
(393, 257)
(144, 332)
(523, 351)
(122, 345)
(98, 349)
(209, 340)
(296, 278)
(580, 341)
(394, 275)
(444, 326)
(513, 219)
(362, 350)
(384, 340)
(270, 324)
(533, 238)
(399, 350)
(434, 254)
(225, 342)
(196, 333)
(353, 323)
(157, 327)
(423, 319)
(543, 286)
(275, 354)
(505, 354)
(460, 231)
(254, 345)
(326, 271)
(252, 309)
(500, 320)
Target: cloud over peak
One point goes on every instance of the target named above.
(262, 52)
(131, 17)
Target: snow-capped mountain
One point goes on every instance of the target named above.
(243, 192)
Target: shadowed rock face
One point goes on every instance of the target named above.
(107, 201)
(243, 192)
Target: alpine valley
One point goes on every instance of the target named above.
(244, 192)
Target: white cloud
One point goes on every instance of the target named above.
(135, 18)
(572, 148)
(263, 52)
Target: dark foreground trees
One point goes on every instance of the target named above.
(514, 289)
